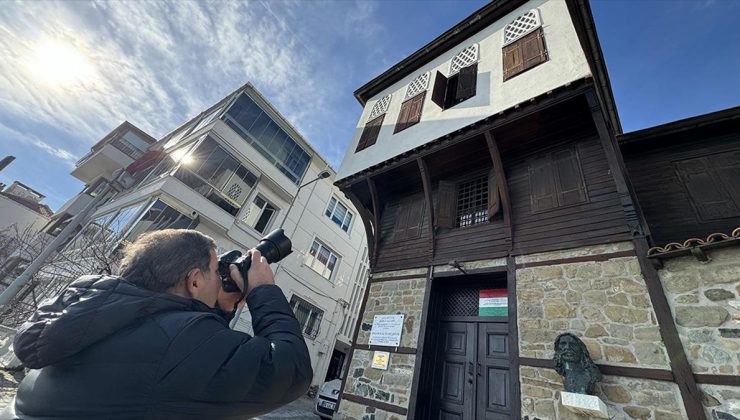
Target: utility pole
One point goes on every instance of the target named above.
(6, 161)
(121, 180)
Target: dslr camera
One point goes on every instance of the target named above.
(274, 247)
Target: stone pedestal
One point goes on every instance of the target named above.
(589, 405)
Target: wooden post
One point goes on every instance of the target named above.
(677, 356)
(426, 181)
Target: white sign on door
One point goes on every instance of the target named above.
(386, 330)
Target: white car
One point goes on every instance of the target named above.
(326, 399)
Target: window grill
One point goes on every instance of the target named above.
(417, 86)
(464, 58)
(521, 26)
(309, 316)
(472, 202)
(380, 107)
(462, 301)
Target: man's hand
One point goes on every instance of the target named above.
(259, 273)
(226, 301)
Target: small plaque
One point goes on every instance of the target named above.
(590, 405)
(386, 330)
(380, 360)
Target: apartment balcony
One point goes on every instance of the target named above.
(103, 162)
(75, 205)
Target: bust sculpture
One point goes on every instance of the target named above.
(574, 364)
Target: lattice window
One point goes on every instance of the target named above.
(521, 26)
(380, 107)
(460, 301)
(472, 202)
(417, 86)
(464, 58)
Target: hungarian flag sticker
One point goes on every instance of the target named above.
(493, 302)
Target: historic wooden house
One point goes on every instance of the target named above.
(499, 213)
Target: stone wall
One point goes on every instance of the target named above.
(605, 303)
(353, 411)
(392, 386)
(395, 297)
(625, 398)
(705, 304)
(719, 400)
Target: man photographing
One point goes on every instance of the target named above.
(155, 342)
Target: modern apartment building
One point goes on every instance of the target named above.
(236, 172)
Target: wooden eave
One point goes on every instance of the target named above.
(583, 21)
(521, 110)
(641, 138)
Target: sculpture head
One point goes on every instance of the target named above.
(573, 361)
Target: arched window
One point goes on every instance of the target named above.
(464, 58)
(521, 26)
(374, 123)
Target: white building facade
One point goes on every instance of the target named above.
(236, 172)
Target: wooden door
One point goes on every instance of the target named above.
(455, 373)
(493, 397)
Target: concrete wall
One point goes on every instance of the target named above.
(566, 63)
(13, 213)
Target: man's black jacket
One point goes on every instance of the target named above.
(108, 349)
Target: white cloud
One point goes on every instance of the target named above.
(156, 64)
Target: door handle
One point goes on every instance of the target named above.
(479, 370)
(470, 372)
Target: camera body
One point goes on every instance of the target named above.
(274, 247)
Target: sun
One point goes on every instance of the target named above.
(59, 64)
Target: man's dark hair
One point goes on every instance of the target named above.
(159, 260)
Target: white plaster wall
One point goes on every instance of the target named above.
(14, 213)
(566, 63)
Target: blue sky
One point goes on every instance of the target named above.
(72, 71)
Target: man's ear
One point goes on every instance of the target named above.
(193, 282)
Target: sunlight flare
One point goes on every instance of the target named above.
(59, 64)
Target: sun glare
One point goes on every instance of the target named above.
(59, 64)
(182, 156)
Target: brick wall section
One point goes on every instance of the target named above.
(605, 303)
(704, 302)
(392, 386)
(625, 398)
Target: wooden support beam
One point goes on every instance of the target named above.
(503, 185)
(427, 183)
(376, 218)
(366, 218)
(676, 355)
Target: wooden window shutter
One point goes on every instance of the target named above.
(494, 198)
(705, 190)
(440, 90)
(403, 116)
(409, 218)
(542, 186)
(415, 219)
(524, 53)
(446, 204)
(466, 82)
(513, 61)
(402, 220)
(410, 113)
(571, 188)
(533, 49)
(415, 113)
(370, 133)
